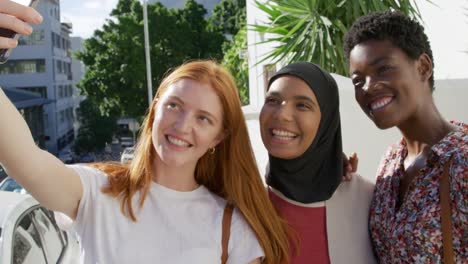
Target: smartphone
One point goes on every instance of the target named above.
(5, 53)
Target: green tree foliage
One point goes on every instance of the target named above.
(230, 16)
(95, 130)
(235, 60)
(115, 58)
(313, 30)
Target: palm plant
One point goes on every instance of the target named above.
(313, 30)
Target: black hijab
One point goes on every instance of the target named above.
(315, 175)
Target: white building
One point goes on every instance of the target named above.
(359, 133)
(42, 64)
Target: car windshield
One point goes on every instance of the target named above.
(10, 185)
(2, 172)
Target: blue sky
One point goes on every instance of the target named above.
(446, 26)
(88, 15)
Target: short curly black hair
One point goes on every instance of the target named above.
(402, 31)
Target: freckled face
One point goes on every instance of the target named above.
(290, 118)
(188, 121)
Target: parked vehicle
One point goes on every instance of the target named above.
(115, 140)
(126, 142)
(29, 233)
(127, 155)
(86, 158)
(108, 149)
(3, 174)
(10, 185)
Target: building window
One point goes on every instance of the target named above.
(23, 66)
(56, 42)
(41, 90)
(70, 115)
(60, 69)
(70, 90)
(55, 11)
(36, 38)
(68, 68)
(62, 117)
(64, 91)
(60, 91)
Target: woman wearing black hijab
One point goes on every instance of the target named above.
(300, 128)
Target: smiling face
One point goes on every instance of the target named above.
(290, 118)
(389, 86)
(188, 121)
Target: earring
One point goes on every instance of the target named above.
(212, 150)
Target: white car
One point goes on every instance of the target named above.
(10, 185)
(127, 155)
(126, 142)
(29, 233)
(2, 172)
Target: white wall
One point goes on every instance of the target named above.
(255, 54)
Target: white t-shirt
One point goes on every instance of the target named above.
(172, 227)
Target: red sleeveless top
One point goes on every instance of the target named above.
(309, 223)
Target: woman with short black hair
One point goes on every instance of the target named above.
(391, 67)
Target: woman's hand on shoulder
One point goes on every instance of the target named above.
(15, 17)
(350, 165)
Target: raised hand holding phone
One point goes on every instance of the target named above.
(14, 18)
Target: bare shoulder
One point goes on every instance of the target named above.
(92, 176)
(87, 169)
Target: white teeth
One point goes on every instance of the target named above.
(380, 103)
(284, 138)
(178, 142)
(283, 134)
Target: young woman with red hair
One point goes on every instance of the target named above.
(193, 157)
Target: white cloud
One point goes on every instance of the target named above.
(86, 16)
(86, 25)
(92, 4)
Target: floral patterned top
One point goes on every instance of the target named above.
(412, 233)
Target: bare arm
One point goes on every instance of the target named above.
(54, 185)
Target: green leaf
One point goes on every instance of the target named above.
(314, 29)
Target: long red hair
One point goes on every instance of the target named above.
(231, 172)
